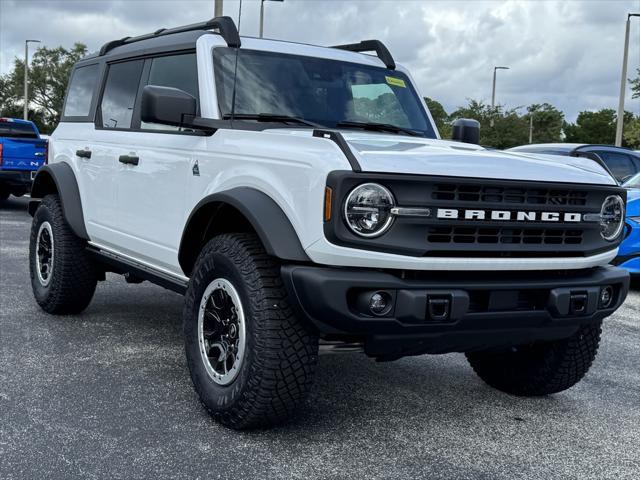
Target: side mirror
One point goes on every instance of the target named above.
(167, 105)
(466, 130)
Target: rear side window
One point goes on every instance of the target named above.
(81, 88)
(177, 71)
(120, 91)
(17, 130)
(620, 164)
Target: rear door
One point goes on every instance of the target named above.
(111, 139)
(22, 147)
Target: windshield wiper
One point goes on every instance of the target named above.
(379, 127)
(272, 117)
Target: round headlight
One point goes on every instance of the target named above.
(367, 210)
(612, 217)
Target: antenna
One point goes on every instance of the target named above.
(235, 68)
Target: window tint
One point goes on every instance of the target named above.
(177, 71)
(376, 102)
(81, 89)
(119, 96)
(324, 91)
(17, 130)
(620, 164)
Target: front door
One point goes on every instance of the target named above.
(154, 163)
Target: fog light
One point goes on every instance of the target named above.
(380, 303)
(606, 297)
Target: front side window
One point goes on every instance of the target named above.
(633, 182)
(177, 71)
(620, 164)
(120, 93)
(323, 91)
(81, 88)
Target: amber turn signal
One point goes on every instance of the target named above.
(328, 197)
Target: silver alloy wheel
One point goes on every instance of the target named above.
(221, 331)
(44, 253)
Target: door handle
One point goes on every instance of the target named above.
(84, 154)
(129, 159)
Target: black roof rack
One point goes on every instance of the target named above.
(371, 46)
(225, 25)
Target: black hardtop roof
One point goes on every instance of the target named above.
(185, 38)
(177, 38)
(178, 41)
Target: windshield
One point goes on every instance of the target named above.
(17, 130)
(633, 182)
(326, 92)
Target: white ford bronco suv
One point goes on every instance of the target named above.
(301, 198)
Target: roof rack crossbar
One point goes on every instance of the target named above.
(225, 25)
(371, 46)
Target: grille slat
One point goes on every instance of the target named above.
(511, 195)
(505, 235)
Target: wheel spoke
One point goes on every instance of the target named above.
(221, 332)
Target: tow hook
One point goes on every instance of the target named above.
(439, 308)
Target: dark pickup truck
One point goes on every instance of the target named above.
(22, 153)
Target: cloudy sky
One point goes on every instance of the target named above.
(565, 52)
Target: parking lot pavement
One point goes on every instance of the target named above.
(107, 395)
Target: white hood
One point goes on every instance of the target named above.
(390, 153)
(401, 154)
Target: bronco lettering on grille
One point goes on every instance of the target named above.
(506, 215)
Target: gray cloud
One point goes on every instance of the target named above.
(567, 53)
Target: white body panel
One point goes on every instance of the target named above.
(141, 211)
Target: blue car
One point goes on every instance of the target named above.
(22, 153)
(629, 254)
(624, 165)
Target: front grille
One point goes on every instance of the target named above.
(511, 223)
(514, 195)
(504, 235)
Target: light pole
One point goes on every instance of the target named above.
(25, 112)
(493, 91)
(623, 81)
(530, 128)
(217, 8)
(262, 14)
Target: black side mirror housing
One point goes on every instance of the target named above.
(466, 130)
(167, 106)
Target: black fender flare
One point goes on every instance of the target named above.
(274, 229)
(59, 178)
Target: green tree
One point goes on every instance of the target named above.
(48, 77)
(440, 116)
(635, 85)
(547, 122)
(595, 127)
(499, 128)
(632, 134)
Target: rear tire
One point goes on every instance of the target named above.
(542, 368)
(271, 377)
(63, 277)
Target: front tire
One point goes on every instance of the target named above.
(63, 277)
(542, 368)
(251, 360)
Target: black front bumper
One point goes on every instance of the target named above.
(439, 312)
(16, 179)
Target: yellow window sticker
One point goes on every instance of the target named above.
(396, 82)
